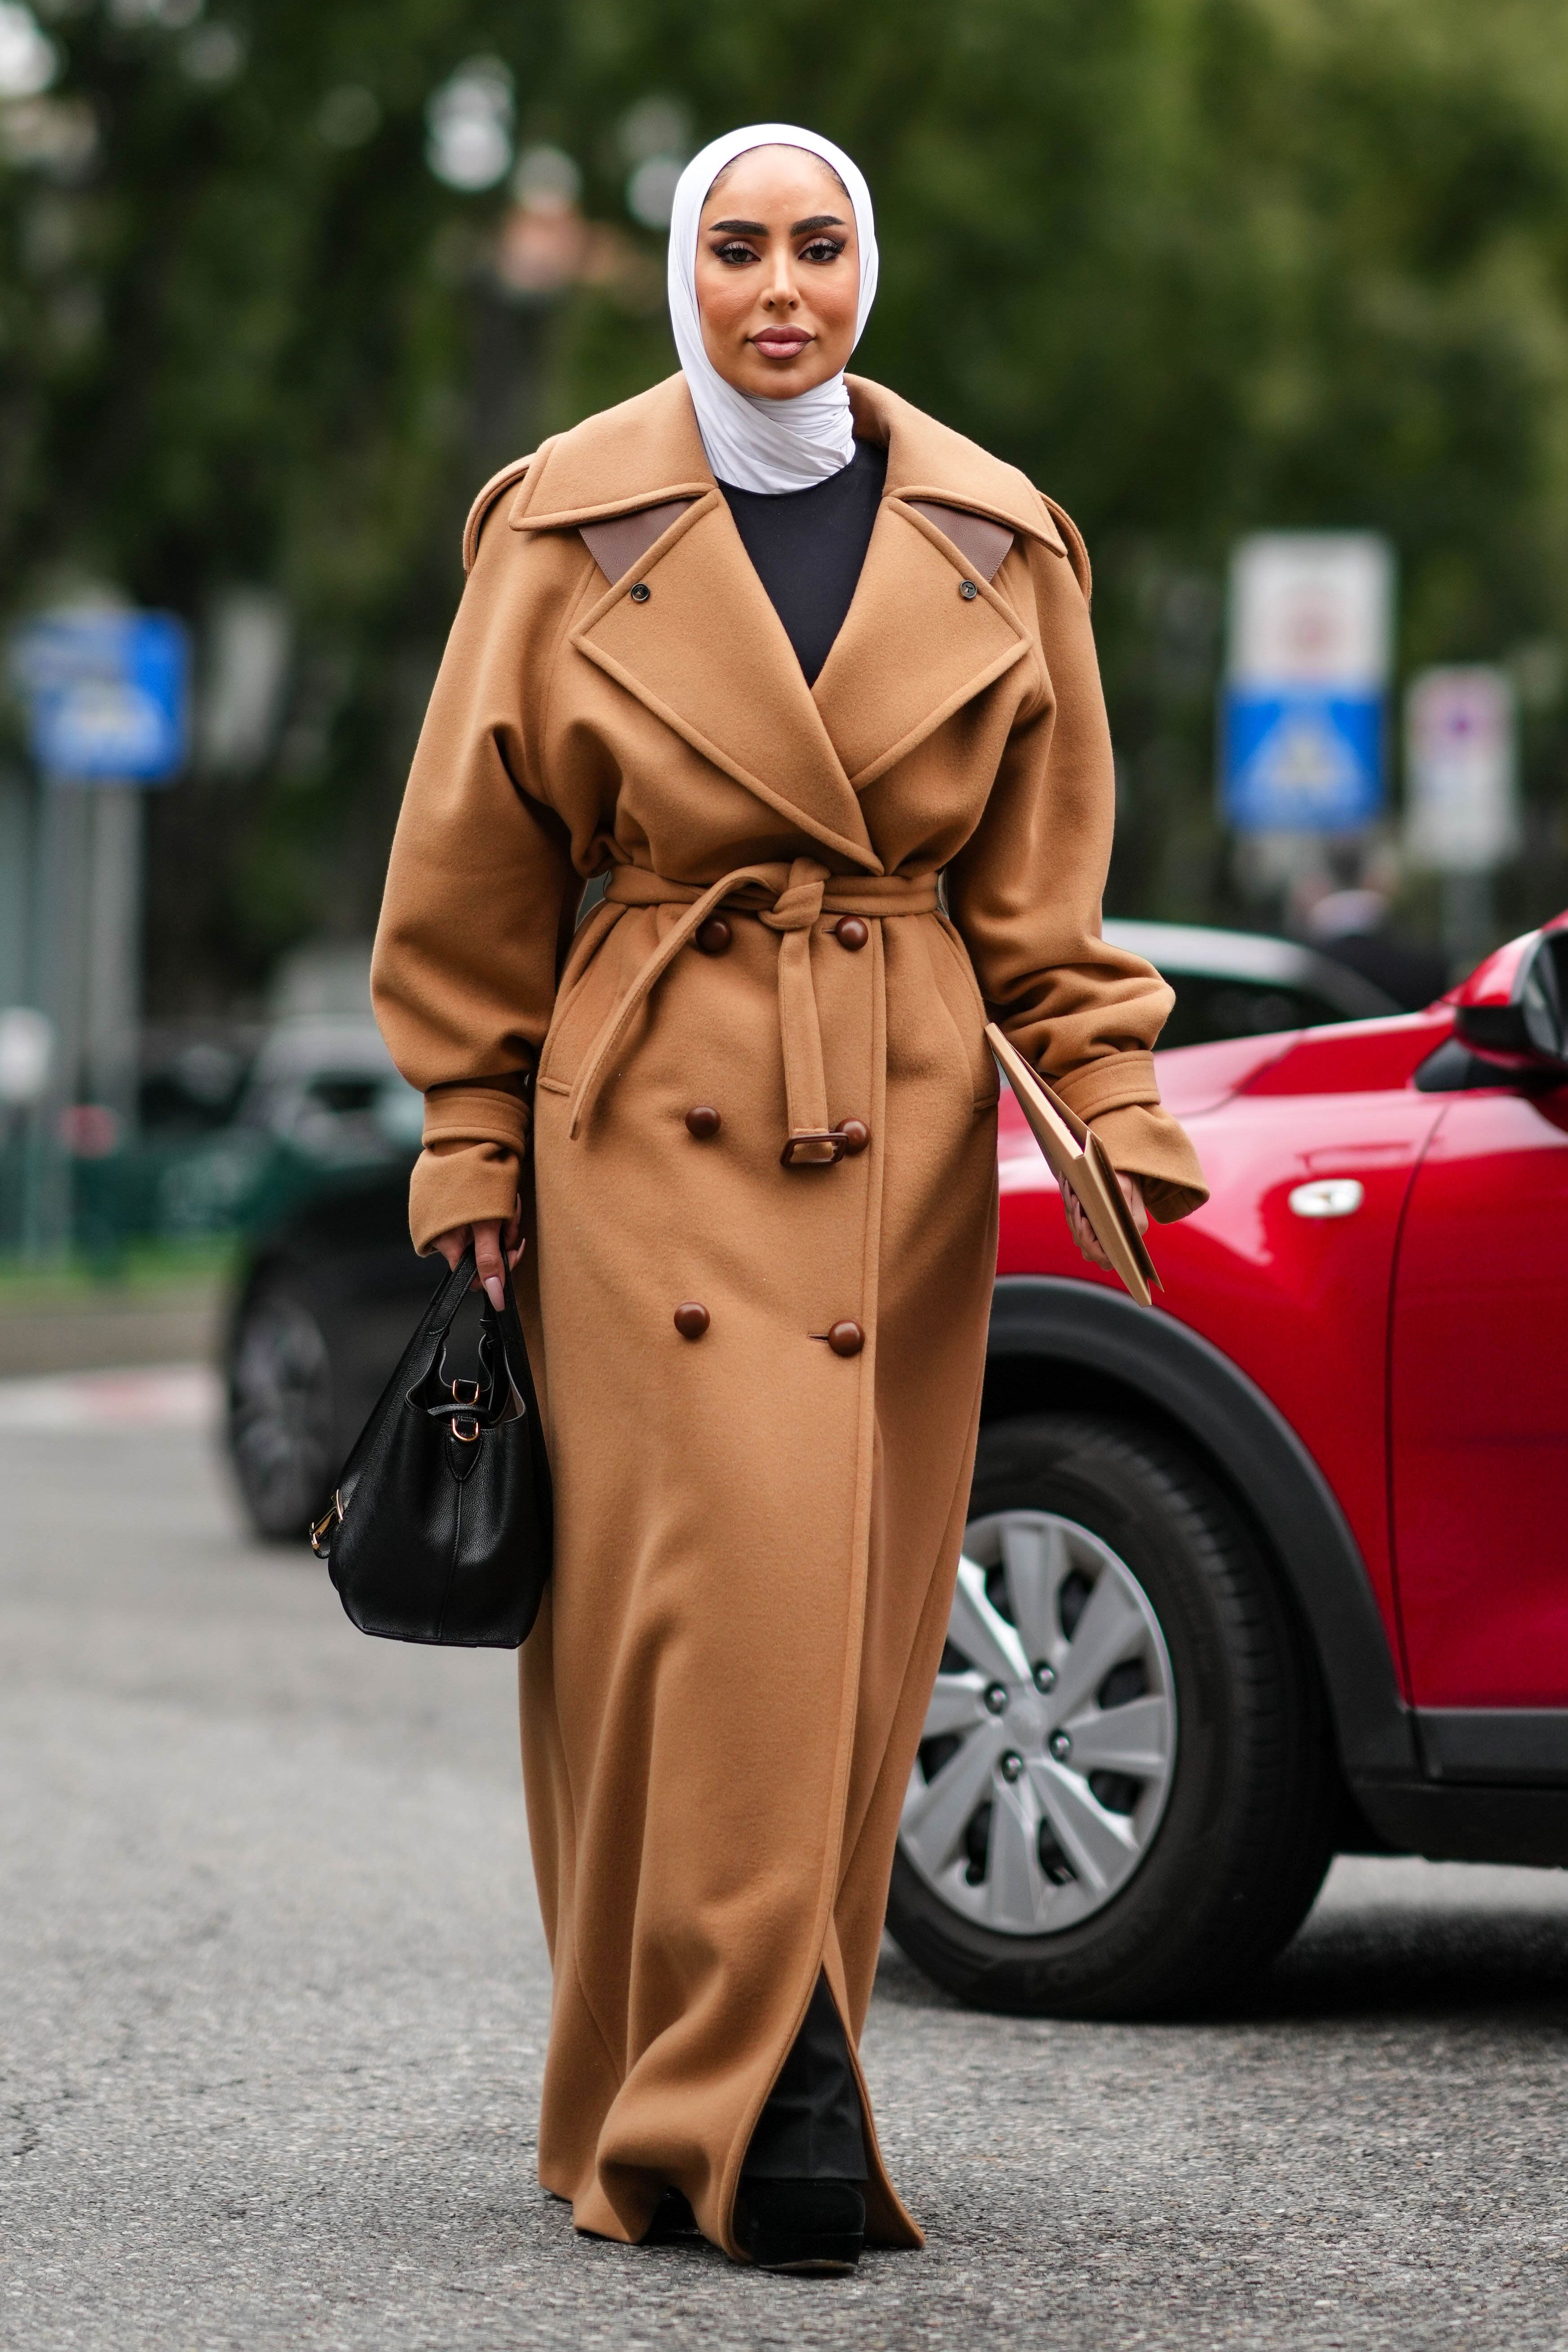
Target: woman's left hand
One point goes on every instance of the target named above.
(1082, 1231)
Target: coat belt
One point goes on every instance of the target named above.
(790, 900)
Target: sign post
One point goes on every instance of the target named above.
(1461, 793)
(1303, 722)
(108, 699)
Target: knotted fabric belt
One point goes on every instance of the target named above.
(789, 900)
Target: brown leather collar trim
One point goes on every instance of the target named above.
(522, 517)
(980, 541)
(621, 543)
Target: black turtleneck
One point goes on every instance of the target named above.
(808, 547)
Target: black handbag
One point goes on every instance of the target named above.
(440, 1530)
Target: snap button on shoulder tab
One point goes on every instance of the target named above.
(714, 936)
(702, 1120)
(847, 1339)
(691, 1320)
(967, 590)
(641, 591)
(851, 932)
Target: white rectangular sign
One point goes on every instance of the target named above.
(1461, 791)
(1311, 608)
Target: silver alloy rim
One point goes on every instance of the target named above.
(1050, 1742)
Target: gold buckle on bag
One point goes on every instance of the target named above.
(466, 1428)
(323, 1528)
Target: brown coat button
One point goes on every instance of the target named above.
(844, 1338)
(691, 1320)
(968, 591)
(851, 932)
(640, 592)
(702, 1120)
(856, 1133)
(713, 936)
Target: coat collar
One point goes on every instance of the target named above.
(706, 652)
(648, 449)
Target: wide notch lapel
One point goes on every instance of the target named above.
(706, 652)
(926, 631)
(914, 647)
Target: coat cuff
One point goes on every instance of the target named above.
(1112, 1083)
(477, 1113)
(1145, 1141)
(457, 1184)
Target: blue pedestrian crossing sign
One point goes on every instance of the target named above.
(1302, 762)
(108, 694)
(1302, 728)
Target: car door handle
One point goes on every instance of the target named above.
(1328, 1196)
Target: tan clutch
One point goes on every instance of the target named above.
(1077, 1157)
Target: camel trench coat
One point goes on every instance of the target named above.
(757, 1527)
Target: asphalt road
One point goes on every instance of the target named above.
(273, 2001)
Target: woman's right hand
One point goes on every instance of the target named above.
(486, 1239)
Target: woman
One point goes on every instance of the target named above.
(771, 650)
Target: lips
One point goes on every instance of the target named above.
(781, 342)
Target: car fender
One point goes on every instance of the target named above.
(1147, 1359)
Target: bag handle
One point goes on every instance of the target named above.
(506, 1326)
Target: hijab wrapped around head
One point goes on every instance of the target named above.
(754, 443)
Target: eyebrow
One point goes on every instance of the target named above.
(759, 228)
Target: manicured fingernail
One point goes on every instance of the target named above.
(494, 1292)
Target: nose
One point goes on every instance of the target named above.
(781, 294)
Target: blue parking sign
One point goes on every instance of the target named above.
(1302, 760)
(108, 695)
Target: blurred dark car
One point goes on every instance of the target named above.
(319, 1162)
(327, 1301)
(1245, 985)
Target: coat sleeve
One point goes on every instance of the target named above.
(481, 893)
(1024, 893)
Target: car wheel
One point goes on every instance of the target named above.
(1122, 1804)
(280, 1418)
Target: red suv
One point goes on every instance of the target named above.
(1278, 1568)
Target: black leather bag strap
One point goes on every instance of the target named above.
(413, 1366)
(507, 1328)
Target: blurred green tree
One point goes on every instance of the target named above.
(1198, 266)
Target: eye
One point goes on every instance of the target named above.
(823, 248)
(734, 252)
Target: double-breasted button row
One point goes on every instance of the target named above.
(715, 937)
(845, 1338)
(703, 1121)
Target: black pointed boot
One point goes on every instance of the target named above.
(804, 2226)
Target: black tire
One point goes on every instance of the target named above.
(1245, 1836)
(281, 1426)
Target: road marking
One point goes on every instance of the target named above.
(156, 1396)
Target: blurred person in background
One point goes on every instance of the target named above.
(770, 648)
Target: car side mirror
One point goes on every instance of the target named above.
(1527, 1027)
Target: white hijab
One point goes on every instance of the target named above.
(754, 443)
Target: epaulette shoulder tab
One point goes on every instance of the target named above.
(1077, 553)
(504, 480)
